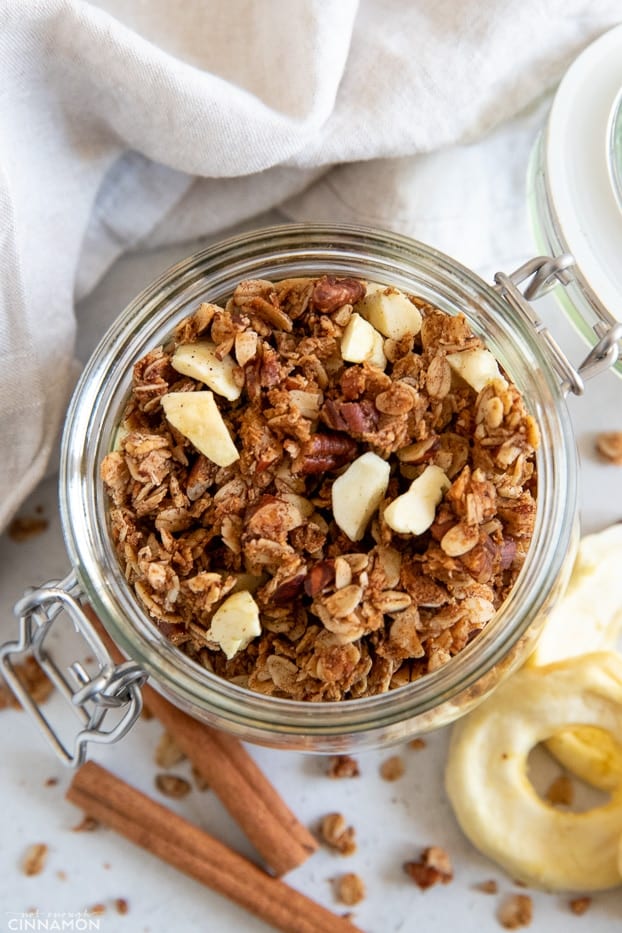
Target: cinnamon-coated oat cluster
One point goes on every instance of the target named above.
(222, 507)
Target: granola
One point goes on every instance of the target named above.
(337, 834)
(167, 752)
(609, 446)
(343, 766)
(580, 905)
(350, 889)
(34, 859)
(223, 510)
(33, 678)
(393, 768)
(516, 911)
(172, 785)
(433, 867)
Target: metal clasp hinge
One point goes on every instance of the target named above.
(91, 697)
(542, 274)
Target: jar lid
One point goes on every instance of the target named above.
(615, 148)
(583, 166)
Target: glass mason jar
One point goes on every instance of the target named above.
(499, 313)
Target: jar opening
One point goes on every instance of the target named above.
(282, 253)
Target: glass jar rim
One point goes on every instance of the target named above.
(286, 251)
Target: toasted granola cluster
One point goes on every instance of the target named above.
(337, 618)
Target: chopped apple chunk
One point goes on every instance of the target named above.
(199, 361)
(235, 623)
(196, 416)
(414, 511)
(390, 311)
(358, 492)
(478, 367)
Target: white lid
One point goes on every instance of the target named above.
(581, 166)
(614, 135)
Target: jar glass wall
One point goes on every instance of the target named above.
(95, 411)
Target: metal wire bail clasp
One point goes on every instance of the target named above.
(541, 274)
(91, 697)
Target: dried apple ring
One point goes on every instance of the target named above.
(589, 615)
(493, 798)
(592, 754)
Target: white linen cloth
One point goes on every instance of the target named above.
(130, 123)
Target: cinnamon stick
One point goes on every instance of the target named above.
(253, 802)
(162, 832)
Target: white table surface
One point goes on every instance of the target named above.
(394, 821)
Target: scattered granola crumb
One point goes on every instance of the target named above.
(50, 782)
(392, 769)
(609, 446)
(61, 875)
(106, 865)
(35, 859)
(561, 791)
(96, 910)
(35, 681)
(200, 782)
(417, 744)
(343, 766)
(171, 785)
(433, 867)
(579, 905)
(516, 911)
(168, 752)
(337, 834)
(350, 889)
(121, 905)
(26, 526)
(487, 887)
(87, 825)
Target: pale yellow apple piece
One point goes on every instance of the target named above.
(414, 511)
(197, 417)
(478, 367)
(307, 403)
(377, 356)
(357, 341)
(593, 755)
(390, 311)
(199, 361)
(358, 492)
(495, 802)
(588, 617)
(235, 623)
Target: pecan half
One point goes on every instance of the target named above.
(324, 452)
(360, 417)
(330, 293)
